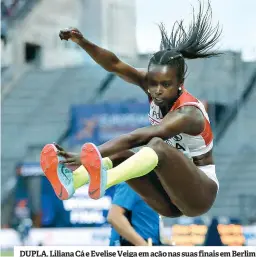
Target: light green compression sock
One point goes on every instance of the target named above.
(81, 177)
(137, 165)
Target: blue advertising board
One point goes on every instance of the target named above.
(101, 122)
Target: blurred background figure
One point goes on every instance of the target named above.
(133, 221)
(53, 92)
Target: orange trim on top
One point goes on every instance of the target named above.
(207, 133)
(186, 97)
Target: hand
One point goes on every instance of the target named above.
(70, 158)
(143, 243)
(150, 243)
(71, 33)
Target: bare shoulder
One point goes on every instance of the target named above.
(192, 111)
(195, 118)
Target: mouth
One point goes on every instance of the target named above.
(158, 100)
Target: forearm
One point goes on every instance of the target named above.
(138, 137)
(124, 228)
(119, 144)
(103, 57)
(142, 136)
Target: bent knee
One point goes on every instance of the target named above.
(157, 144)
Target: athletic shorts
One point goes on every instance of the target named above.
(210, 172)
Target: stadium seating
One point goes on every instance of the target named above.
(235, 157)
(37, 110)
(120, 90)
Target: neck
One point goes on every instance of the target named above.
(166, 108)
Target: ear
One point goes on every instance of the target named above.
(182, 81)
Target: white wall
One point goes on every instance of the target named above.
(109, 23)
(41, 27)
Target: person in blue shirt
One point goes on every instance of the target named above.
(114, 238)
(133, 221)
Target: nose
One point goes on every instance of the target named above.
(159, 89)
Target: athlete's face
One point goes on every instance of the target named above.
(163, 84)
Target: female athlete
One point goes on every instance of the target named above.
(174, 171)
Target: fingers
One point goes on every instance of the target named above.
(67, 33)
(71, 161)
(64, 35)
(58, 147)
(64, 154)
(61, 151)
(76, 34)
(70, 158)
(70, 33)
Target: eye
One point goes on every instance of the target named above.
(166, 84)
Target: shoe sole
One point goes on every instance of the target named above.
(91, 160)
(49, 164)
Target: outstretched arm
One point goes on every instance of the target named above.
(106, 59)
(188, 119)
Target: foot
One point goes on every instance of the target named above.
(60, 177)
(92, 161)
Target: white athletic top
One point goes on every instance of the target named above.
(190, 145)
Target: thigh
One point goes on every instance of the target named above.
(149, 188)
(192, 191)
(152, 192)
